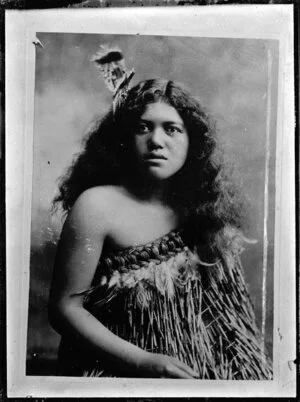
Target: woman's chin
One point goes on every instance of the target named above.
(156, 173)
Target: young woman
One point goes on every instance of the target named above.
(147, 279)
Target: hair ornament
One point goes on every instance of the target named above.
(110, 61)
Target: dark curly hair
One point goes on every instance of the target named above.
(203, 190)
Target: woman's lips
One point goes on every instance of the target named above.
(152, 157)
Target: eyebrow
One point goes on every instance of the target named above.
(165, 122)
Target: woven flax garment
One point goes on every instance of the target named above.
(161, 297)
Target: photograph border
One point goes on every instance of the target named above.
(238, 21)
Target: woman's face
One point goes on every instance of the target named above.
(161, 141)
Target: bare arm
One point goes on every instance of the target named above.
(77, 257)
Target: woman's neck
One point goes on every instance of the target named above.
(154, 191)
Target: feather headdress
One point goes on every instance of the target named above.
(110, 61)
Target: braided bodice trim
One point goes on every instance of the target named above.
(136, 256)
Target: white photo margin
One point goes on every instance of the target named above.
(237, 21)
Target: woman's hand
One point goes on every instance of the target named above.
(155, 365)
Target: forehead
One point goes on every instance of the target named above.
(161, 111)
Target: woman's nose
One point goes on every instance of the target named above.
(156, 138)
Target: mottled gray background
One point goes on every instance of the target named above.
(228, 76)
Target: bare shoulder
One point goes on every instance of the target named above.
(102, 197)
(97, 205)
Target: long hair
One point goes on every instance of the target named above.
(203, 190)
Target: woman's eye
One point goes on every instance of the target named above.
(143, 128)
(171, 130)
